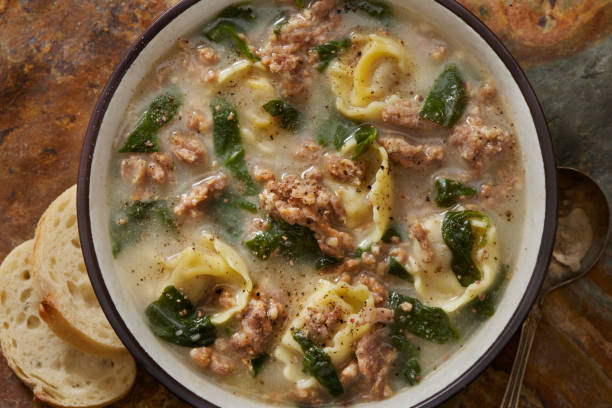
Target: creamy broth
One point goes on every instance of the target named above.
(169, 230)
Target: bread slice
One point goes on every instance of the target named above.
(69, 305)
(57, 373)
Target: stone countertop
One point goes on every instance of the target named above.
(55, 57)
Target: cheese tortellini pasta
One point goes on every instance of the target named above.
(199, 269)
(434, 280)
(362, 89)
(351, 300)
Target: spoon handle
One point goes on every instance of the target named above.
(515, 382)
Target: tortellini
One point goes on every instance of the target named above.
(368, 211)
(197, 269)
(435, 282)
(363, 89)
(351, 299)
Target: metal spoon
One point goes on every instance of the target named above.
(576, 190)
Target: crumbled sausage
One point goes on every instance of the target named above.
(134, 170)
(310, 396)
(257, 322)
(201, 356)
(159, 167)
(420, 234)
(188, 149)
(305, 201)
(226, 298)
(196, 59)
(220, 365)
(374, 315)
(344, 169)
(321, 325)
(290, 54)
(412, 156)
(374, 359)
(478, 142)
(405, 113)
(197, 122)
(207, 55)
(199, 193)
(137, 170)
(438, 52)
(377, 288)
(306, 151)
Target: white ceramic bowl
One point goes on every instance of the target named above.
(463, 366)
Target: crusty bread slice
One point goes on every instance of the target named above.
(57, 373)
(69, 305)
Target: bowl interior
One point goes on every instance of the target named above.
(468, 359)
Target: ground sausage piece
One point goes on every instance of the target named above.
(412, 156)
(305, 201)
(290, 55)
(306, 151)
(374, 359)
(405, 113)
(420, 234)
(134, 170)
(344, 169)
(188, 149)
(378, 289)
(201, 356)
(257, 324)
(375, 315)
(207, 55)
(349, 373)
(478, 142)
(220, 365)
(321, 325)
(199, 193)
(197, 122)
(159, 167)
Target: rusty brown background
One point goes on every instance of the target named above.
(55, 57)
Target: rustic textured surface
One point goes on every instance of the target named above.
(56, 56)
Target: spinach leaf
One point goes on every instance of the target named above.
(408, 359)
(228, 210)
(448, 191)
(227, 142)
(161, 110)
(377, 9)
(173, 318)
(279, 21)
(317, 363)
(393, 231)
(364, 136)
(294, 242)
(290, 117)
(483, 306)
(430, 323)
(459, 237)
(447, 98)
(257, 363)
(330, 50)
(397, 269)
(334, 130)
(301, 4)
(134, 217)
(229, 23)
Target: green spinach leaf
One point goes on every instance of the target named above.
(397, 269)
(459, 237)
(393, 231)
(227, 142)
(335, 130)
(330, 50)
(290, 117)
(257, 363)
(229, 23)
(408, 359)
(143, 139)
(483, 306)
(134, 217)
(228, 210)
(448, 191)
(317, 363)
(411, 316)
(447, 98)
(377, 9)
(173, 318)
(279, 21)
(364, 136)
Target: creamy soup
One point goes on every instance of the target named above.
(316, 204)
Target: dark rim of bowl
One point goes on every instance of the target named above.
(442, 395)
